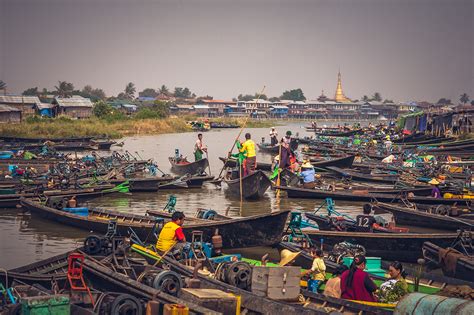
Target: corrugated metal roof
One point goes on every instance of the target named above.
(6, 108)
(75, 101)
(44, 106)
(201, 106)
(19, 99)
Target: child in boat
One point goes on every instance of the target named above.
(333, 285)
(391, 291)
(365, 222)
(356, 283)
(317, 271)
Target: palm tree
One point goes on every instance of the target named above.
(464, 98)
(3, 86)
(164, 90)
(130, 90)
(64, 89)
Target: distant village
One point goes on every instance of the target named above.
(15, 108)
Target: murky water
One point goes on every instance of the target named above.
(25, 238)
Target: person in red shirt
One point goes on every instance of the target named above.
(356, 283)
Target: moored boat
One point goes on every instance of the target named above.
(435, 216)
(183, 166)
(259, 230)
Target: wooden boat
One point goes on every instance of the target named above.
(338, 133)
(100, 279)
(259, 230)
(42, 140)
(388, 246)
(426, 216)
(184, 167)
(343, 162)
(222, 125)
(155, 183)
(382, 178)
(254, 185)
(64, 146)
(366, 196)
(459, 265)
(316, 303)
(429, 282)
(463, 148)
(275, 149)
(13, 200)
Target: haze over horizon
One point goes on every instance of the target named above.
(406, 50)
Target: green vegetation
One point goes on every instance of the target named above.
(294, 95)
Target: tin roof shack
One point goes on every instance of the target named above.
(74, 107)
(9, 114)
(26, 104)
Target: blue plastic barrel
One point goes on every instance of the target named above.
(425, 304)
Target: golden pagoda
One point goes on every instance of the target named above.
(340, 97)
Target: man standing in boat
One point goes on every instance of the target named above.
(248, 149)
(199, 148)
(273, 136)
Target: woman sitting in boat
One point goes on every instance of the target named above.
(333, 285)
(391, 291)
(356, 283)
(308, 174)
(435, 192)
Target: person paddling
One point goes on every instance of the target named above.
(273, 137)
(199, 148)
(248, 149)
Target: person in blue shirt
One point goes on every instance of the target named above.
(308, 174)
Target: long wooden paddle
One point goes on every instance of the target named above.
(218, 180)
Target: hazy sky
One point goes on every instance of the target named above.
(405, 49)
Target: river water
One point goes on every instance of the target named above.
(25, 238)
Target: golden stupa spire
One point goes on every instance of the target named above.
(340, 97)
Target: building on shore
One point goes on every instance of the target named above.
(28, 105)
(74, 107)
(9, 114)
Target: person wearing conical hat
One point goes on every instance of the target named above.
(435, 192)
(308, 174)
(287, 257)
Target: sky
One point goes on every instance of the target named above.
(404, 49)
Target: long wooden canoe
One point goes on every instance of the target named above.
(422, 217)
(397, 246)
(365, 196)
(464, 268)
(191, 168)
(259, 230)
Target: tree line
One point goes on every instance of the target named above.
(67, 89)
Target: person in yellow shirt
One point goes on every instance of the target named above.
(171, 233)
(248, 149)
(317, 271)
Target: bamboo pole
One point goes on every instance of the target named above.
(240, 133)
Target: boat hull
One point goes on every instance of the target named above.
(254, 186)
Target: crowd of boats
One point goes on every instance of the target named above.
(420, 179)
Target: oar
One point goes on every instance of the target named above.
(122, 188)
(218, 180)
(208, 163)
